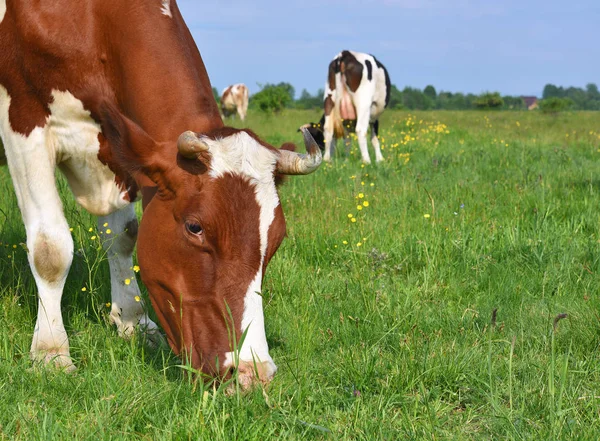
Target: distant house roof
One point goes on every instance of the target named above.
(530, 101)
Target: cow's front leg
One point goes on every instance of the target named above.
(49, 242)
(127, 312)
(50, 255)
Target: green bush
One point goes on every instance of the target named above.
(554, 105)
(514, 102)
(271, 99)
(488, 100)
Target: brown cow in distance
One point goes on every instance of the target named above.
(115, 95)
(235, 99)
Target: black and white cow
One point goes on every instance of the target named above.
(356, 93)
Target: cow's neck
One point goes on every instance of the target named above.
(164, 87)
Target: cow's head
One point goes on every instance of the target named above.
(207, 236)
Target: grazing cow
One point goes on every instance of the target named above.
(235, 99)
(356, 93)
(115, 94)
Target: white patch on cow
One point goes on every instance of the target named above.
(254, 347)
(240, 154)
(2, 9)
(166, 8)
(72, 137)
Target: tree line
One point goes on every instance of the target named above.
(276, 97)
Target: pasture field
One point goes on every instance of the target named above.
(451, 292)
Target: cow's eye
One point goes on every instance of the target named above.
(194, 228)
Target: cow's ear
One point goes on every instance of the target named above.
(133, 148)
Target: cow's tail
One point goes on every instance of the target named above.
(338, 126)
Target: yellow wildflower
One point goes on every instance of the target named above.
(426, 215)
(84, 289)
(365, 203)
(127, 281)
(137, 298)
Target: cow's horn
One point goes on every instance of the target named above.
(190, 145)
(292, 163)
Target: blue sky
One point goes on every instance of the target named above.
(512, 46)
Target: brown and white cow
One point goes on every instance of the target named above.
(357, 92)
(115, 95)
(235, 99)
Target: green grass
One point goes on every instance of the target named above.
(390, 339)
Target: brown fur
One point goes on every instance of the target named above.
(49, 264)
(352, 73)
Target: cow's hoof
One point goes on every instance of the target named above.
(145, 328)
(153, 337)
(54, 358)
